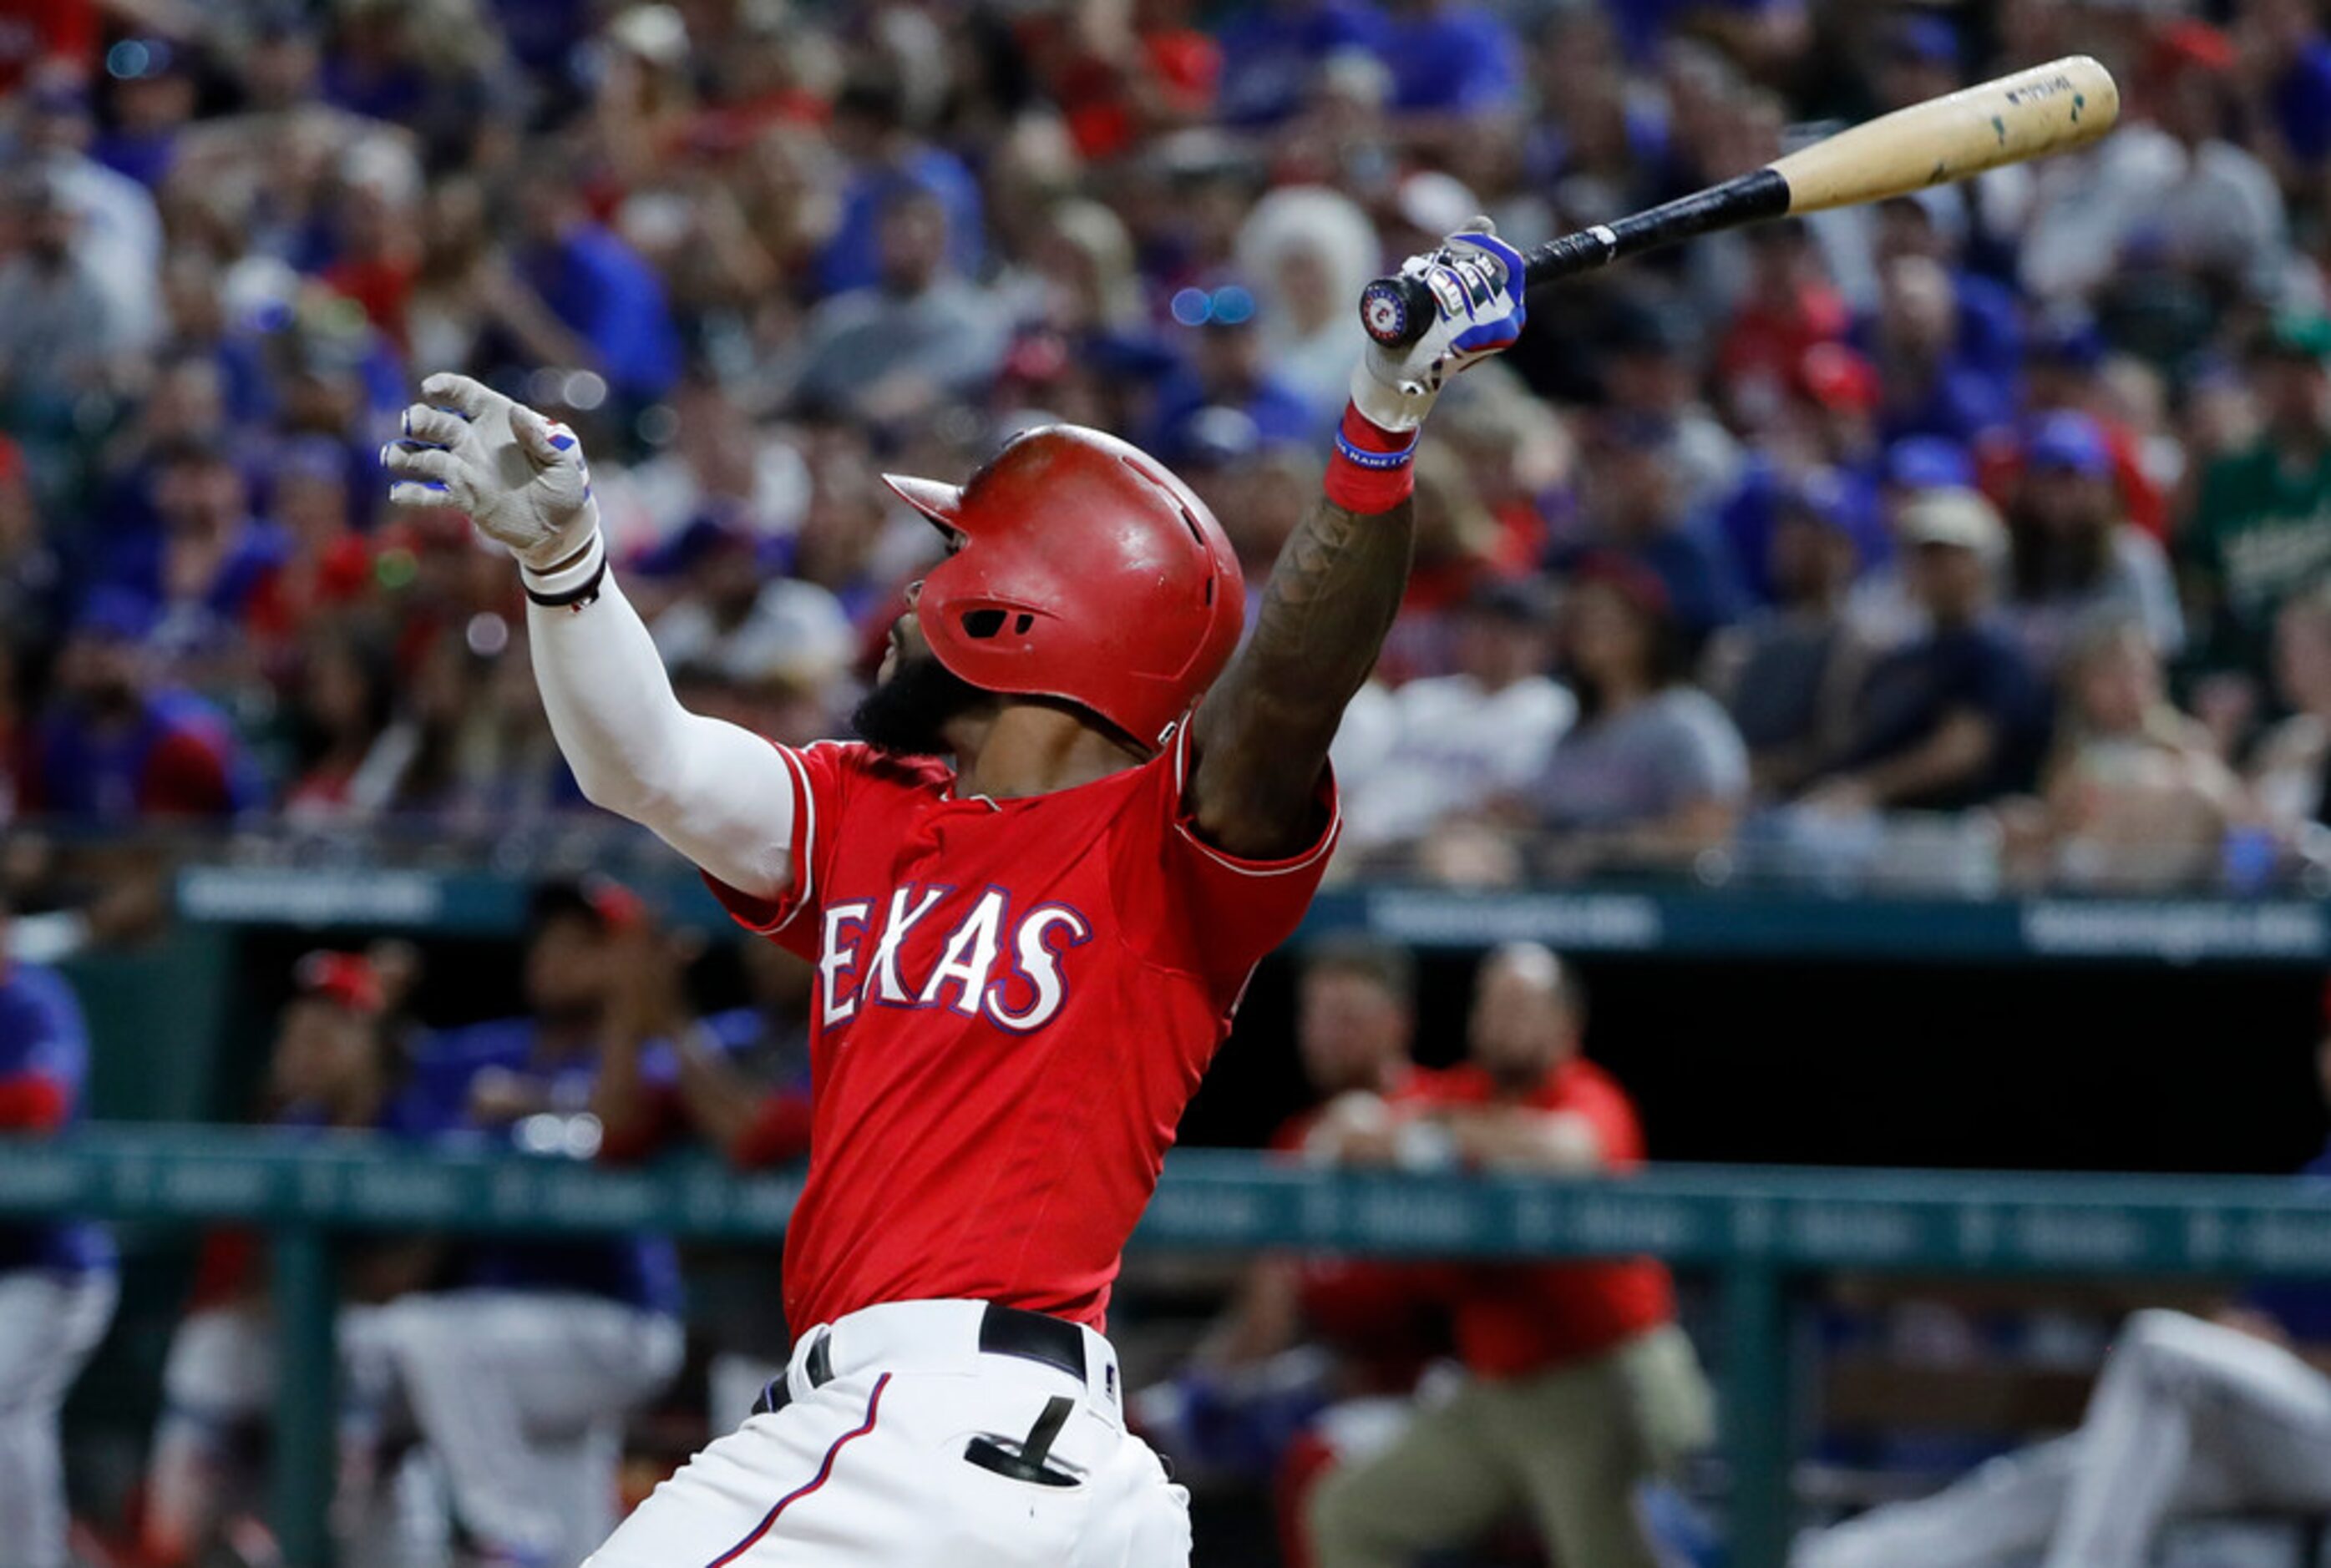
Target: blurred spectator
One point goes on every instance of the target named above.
(62, 333)
(329, 1069)
(2190, 1416)
(1955, 717)
(31, 570)
(743, 1087)
(1932, 384)
(2261, 525)
(1789, 673)
(1881, 604)
(1653, 771)
(1651, 376)
(2159, 196)
(2137, 796)
(887, 163)
(897, 348)
(1638, 504)
(116, 746)
(2072, 556)
(1448, 745)
(1228, 368)
(1312, 1362)
(520, 1369)
(57, 1278)
(1309, 250)
(115, 228)
(1581, 1384)
(731, 620)
(578, 297)
(1789, 308)
(1272, 49)
(2291, 773)
(1453, 59)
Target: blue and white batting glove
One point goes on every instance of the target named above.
(519, 475)
(1477, 286)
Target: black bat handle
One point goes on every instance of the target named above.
(1396, 310)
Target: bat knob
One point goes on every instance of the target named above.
(1395, 310)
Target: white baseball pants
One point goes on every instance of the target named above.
(49, 1324)
(869, 1468)
(2188, 1417)
(522, 1396)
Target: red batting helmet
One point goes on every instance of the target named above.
(1086, 572)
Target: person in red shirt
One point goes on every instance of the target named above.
(1034, 893)
(1582, 1386)
(1318, 1353)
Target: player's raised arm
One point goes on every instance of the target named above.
(718, 794)
(1261, 735)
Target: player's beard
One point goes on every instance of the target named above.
(907, 714)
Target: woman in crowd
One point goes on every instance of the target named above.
(2135, 797)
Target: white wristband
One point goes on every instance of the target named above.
(571, 578)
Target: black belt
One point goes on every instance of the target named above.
(1002, 1331)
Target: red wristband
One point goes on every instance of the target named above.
(1373, 470)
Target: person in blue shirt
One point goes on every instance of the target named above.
(116, 746)
(742, 1086)
(1271, 48)
(1956, 716)
(520, 1368)
(57, 1278)
(1637, 507)
(1452, 58)
(869, 130)
(1221, 363)
(331, 1070)
(595, 289)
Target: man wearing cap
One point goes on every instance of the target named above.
(2073, 559)
(57, 1278)
(520, 1366)
(1442, 747)
(2262, 527)
(329, 1069)
(1956, 716)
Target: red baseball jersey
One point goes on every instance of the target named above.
(1014, 1001)
(1515, 1319)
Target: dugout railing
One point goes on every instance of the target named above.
(1758, 1232)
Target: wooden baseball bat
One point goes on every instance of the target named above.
(2049, 109)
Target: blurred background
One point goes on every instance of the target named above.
(1864, 699)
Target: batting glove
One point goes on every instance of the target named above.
(1476, 283)
(520, 477)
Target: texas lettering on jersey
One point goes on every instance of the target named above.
(994, 961)
(1014, 1001)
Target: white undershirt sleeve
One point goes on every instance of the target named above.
(719, 794)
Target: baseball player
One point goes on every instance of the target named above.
(57, 1281)
(519, 1368)
(1033, 894)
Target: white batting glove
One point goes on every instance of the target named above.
(1476, 283)
(519, 475)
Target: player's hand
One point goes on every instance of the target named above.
(1476, 283)
(520, 477)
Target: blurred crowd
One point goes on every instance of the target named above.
(1982, 534)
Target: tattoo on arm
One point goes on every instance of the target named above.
(1261, 735)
